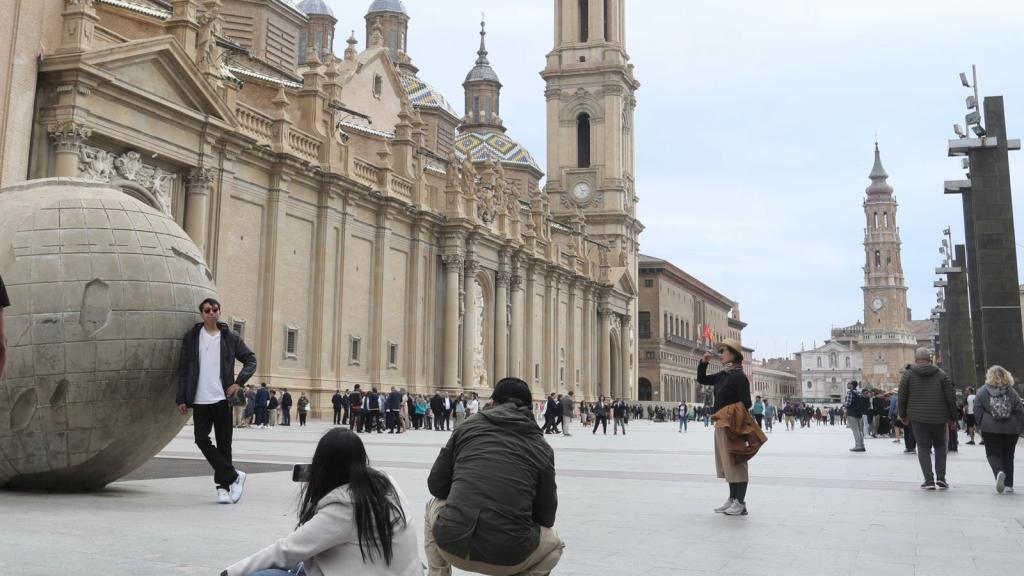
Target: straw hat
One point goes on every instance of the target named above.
(732, 344)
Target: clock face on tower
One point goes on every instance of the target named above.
(581, 191)
(877, 304)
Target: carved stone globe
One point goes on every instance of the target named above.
(102, 287)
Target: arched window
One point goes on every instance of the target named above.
(886, 219)
(819, 361)
(878, 258)
(583, 140)
(847, 361)
(584, 20)
(876, 219)
(607, 20)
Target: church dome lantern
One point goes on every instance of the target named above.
(879, 178)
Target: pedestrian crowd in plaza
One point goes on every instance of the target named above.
(927, 415)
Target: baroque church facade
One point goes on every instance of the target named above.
(359, 229)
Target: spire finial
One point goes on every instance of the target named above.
(878, 176)
(350, 52)
(482, 52)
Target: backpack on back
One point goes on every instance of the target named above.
(1001, 407)
(863, 404)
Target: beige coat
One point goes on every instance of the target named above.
(329, 546)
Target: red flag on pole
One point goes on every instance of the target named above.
(708, 335)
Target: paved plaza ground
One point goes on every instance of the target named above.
(634, 505)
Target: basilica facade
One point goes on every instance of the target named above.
(359, 229)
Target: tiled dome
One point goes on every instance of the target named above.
(424, 95)
(480, 146)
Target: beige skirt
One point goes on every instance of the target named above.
(724, 463)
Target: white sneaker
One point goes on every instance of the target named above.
(736, 509)
(724, 507)
(223, 497)
(237, 487)
(1008, 490)
(1001, 482)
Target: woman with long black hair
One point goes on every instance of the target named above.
(351, 521)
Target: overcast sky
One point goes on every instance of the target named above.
(756, 122)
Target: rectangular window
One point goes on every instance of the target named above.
(318, 43)
(536, 371)
(476, 108)
(487, 108)
(584, 20)
(291, 342)
(354, 345)
(649, 355)
(648, 283)
(238, 327)
(303, 41)
(644, 325)
(392, 355)
(393, 44)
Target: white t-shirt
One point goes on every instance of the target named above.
(473, 406)
(970, 404)
(210, 390)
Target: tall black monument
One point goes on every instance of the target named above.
(994, 292)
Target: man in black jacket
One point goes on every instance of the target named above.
(205, 381)
(550, 415)
(437, 408)
(601, 415)
(286, 408)
(494, 492)
(336, 403)
(619, 416)
(355, 405)
(394, 411)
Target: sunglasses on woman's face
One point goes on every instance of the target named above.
(722, 351)
(209, 310)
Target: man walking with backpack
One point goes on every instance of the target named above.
(928, 403)
(856, 405)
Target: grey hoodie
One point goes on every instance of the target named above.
(983, 414)
(926, 395)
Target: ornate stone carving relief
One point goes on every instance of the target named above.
(479, 365)
(102, 166)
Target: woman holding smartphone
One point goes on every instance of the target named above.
(352, 520)
(730, 387)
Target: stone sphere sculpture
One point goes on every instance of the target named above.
(102, 289)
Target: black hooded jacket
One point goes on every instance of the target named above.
(231, 348)
(497, 474)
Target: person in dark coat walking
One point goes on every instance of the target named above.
(551, 415)
(928, 403)
(601, 415)
(337, 403)
(619, 416)
(730, 386)
(286, 408)
(494, 490)
(394, 407)
(206, 379)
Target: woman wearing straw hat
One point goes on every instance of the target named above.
(730, 387)
(997, 409)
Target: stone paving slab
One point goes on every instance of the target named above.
(635, 504)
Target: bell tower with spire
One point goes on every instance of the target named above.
(887, 344)
(483, 92)
(590, 102)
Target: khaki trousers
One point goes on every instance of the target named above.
(540, 563)
(725, 465)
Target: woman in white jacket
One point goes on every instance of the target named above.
(351, 521)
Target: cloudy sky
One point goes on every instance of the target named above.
(755, 130)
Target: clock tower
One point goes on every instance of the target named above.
(887, 344)
(590, 102)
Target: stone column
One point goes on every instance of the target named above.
(453, 265)
(605, 317)
(197, 201)
(587, 341)
(68, 137)
(528, 327)
(627, 348)
(503, 279)
(469, 322)
(516, 353)
(570, 338)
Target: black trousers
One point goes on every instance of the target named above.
(601, 421)
(394, 420)
(286, 415)
(302, 418)
(337, 415)
(760, 420)
(908, 438)
(549, 423)
(447, 419)
(999, 448)
(353, 421)
(218, 418)
(438, 420)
